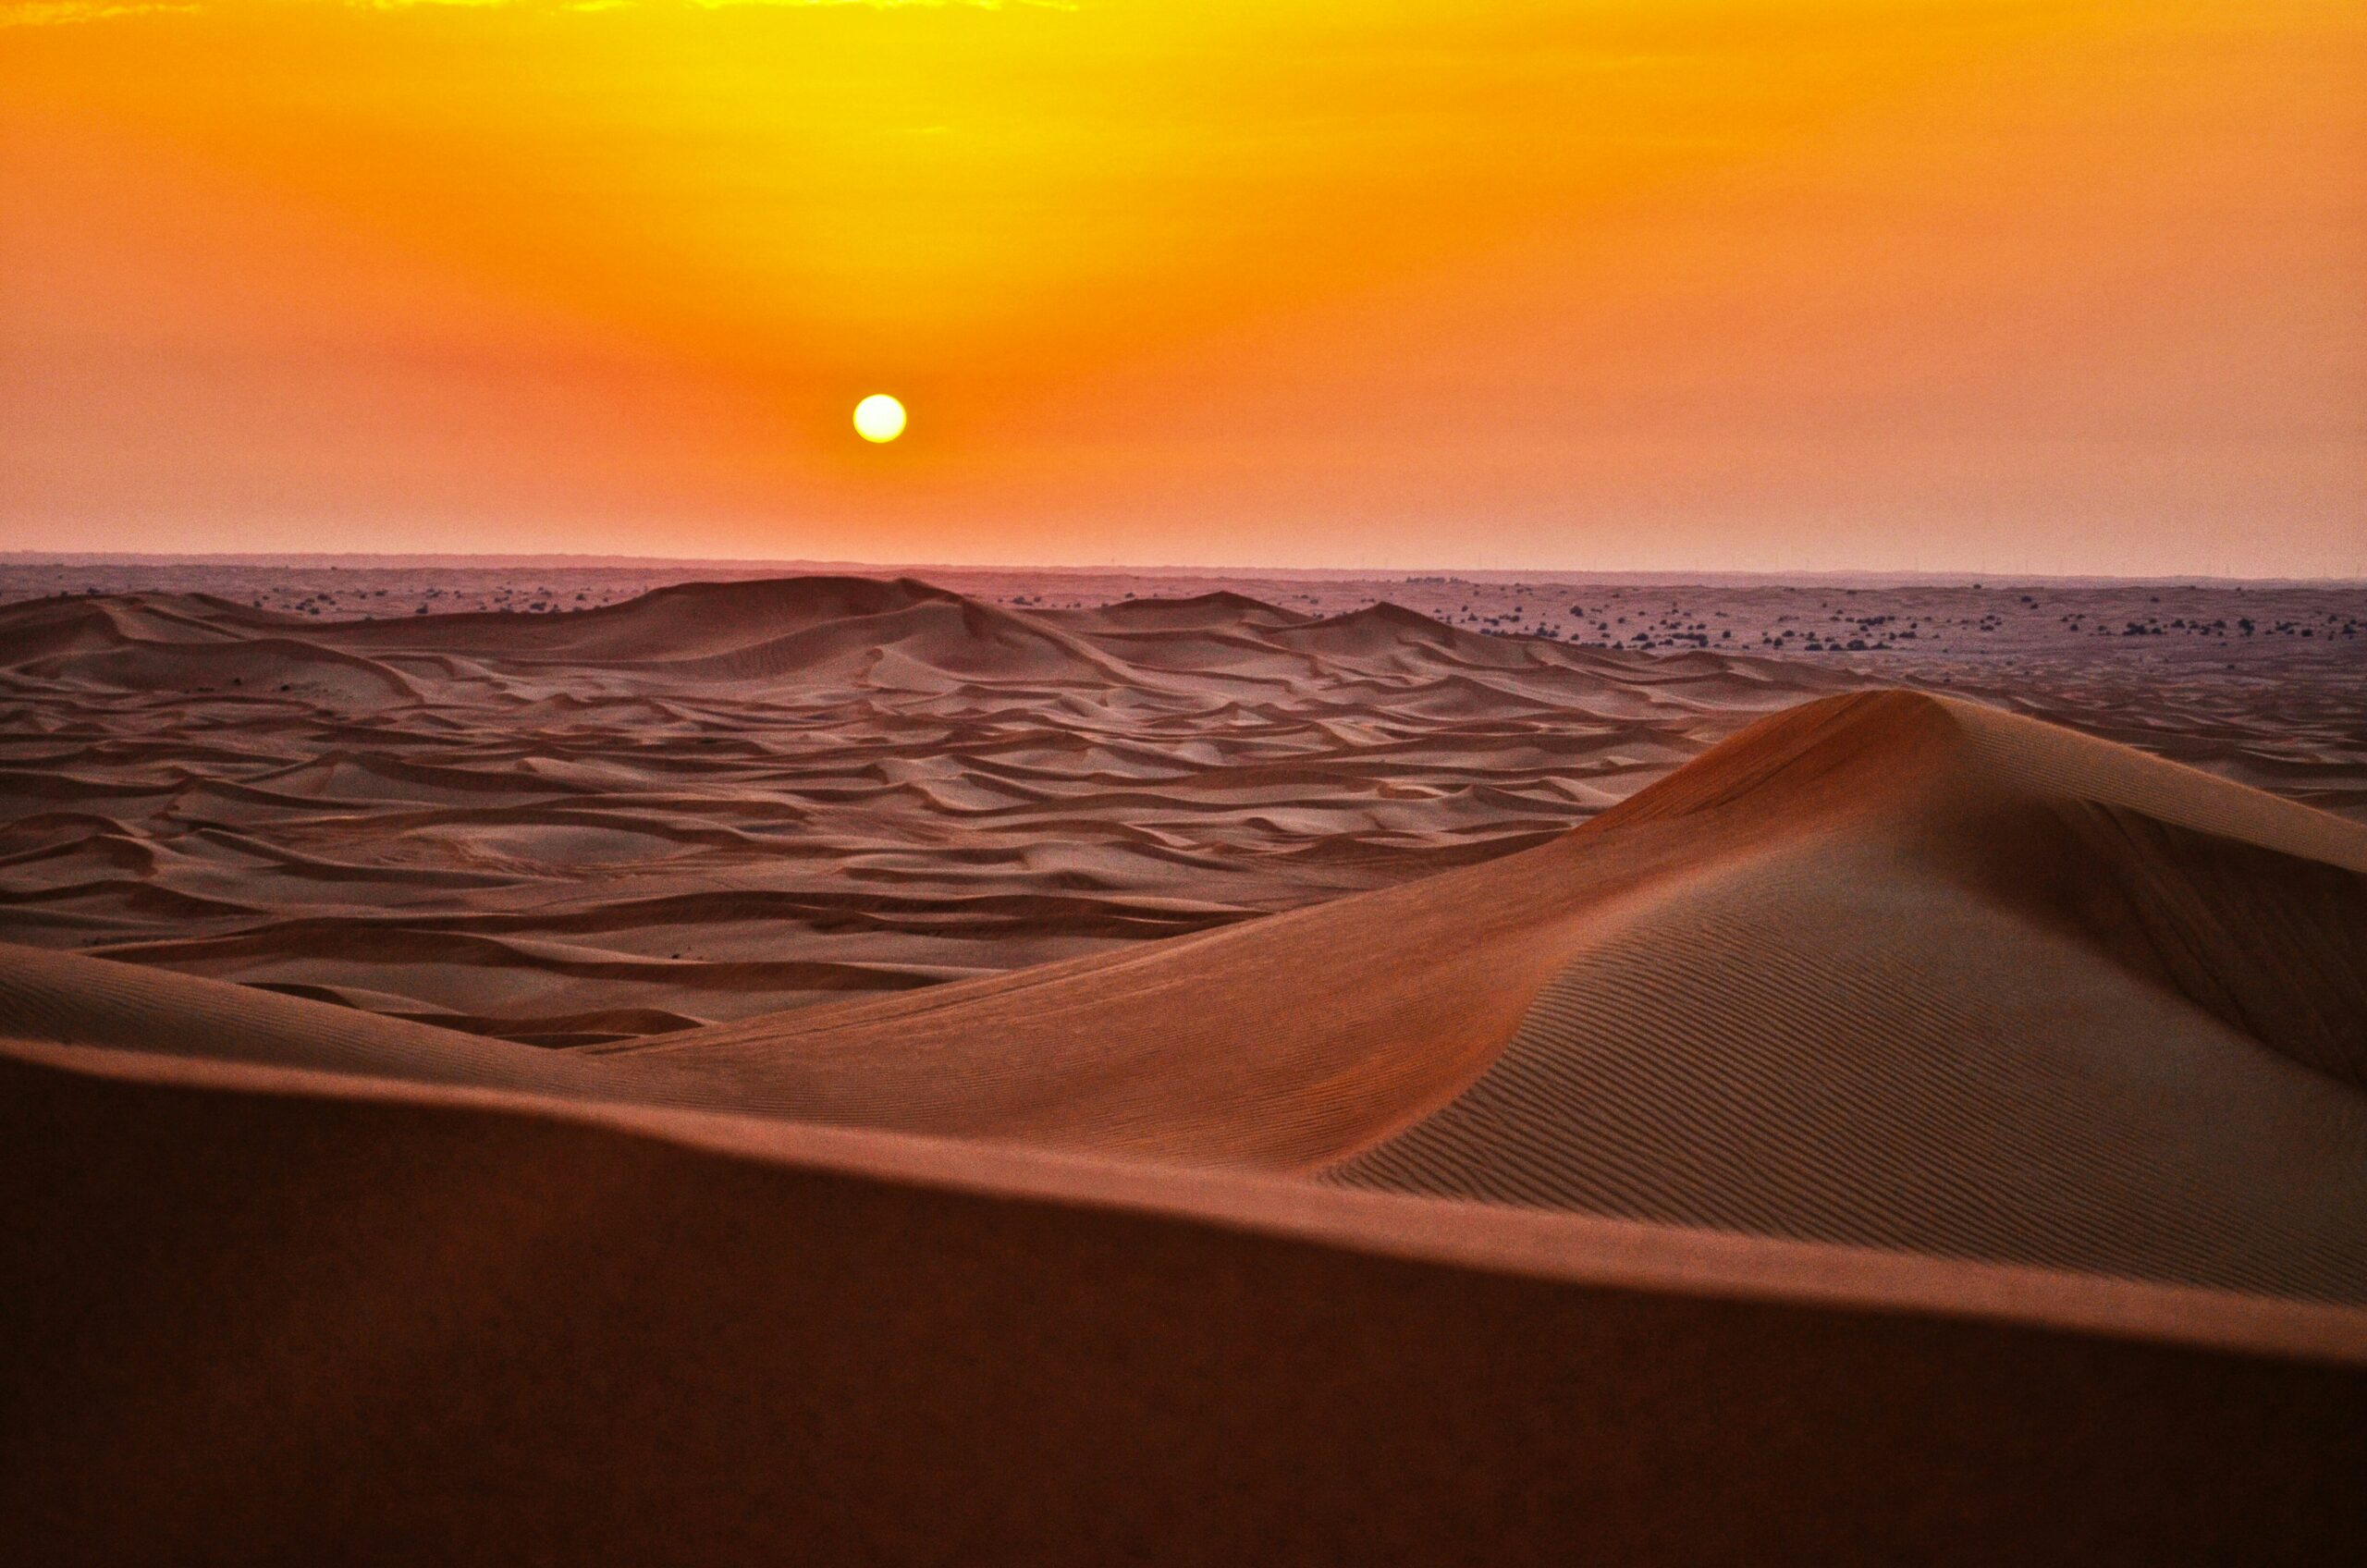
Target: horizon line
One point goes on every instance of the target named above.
(1967, 576)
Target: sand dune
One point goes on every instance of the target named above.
(719, 800)
(1959, 1012)
(263, 1318)
(1906, 1131)
(1885, 970)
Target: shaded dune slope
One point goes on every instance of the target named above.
(447, 1325)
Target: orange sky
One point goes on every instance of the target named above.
(1729, 284)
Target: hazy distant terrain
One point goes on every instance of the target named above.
(2258, 681)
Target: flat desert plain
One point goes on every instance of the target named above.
(572, 1060)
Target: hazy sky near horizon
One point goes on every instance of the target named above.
(2033, 285)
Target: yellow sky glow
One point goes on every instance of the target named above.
(1993, 284)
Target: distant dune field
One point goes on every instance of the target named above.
(726, 799)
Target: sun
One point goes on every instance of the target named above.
(879, 418)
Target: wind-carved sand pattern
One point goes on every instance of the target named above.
(726, 799)
(1954, 988)
(1901, 1131)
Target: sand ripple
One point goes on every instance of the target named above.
(721, 800)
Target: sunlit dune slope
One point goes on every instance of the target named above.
(2004, 994)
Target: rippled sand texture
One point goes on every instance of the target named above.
(1905, 1132)
(1909, 1133)
(2256, 681)
(727, 799)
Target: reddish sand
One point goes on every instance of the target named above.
(725, 800)
(1905, 1132)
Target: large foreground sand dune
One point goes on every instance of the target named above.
(262, 1317)
(1906, 1132)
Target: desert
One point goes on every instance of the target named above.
(1176, 1010)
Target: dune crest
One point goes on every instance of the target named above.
(1936, 1021)
(1869, 925)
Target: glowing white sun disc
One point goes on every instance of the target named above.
(879, 418)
